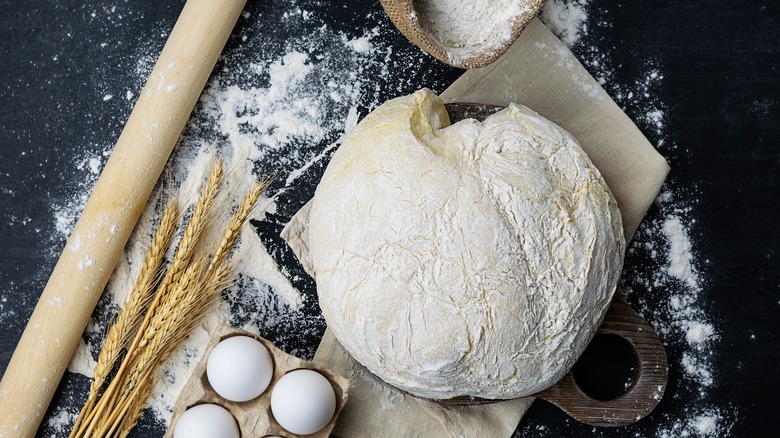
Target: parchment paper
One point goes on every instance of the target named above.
(540, 72)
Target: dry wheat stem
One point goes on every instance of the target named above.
(184, 309)
(183, 255)
(186, 306)
(113, 397)
(118, 414)
(164, 323)
(128, 319)
(129, 421)
(197, 223)
(185, 295)
(142, 291)
(163, 326)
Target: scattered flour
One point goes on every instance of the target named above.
(569, 19)
(280, 111)
(663, 277)
(668, 288)
(253, 260)
(680, 256)
(360, 45)
(268, 111)
(698, 332)
(706, 425)
(566, 18)
(82, 361)
(60, 420)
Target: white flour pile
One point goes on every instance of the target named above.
(474, 26)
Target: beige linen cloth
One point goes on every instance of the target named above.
(540, 72)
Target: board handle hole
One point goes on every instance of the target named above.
(608, 367)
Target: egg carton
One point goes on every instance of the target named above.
(254, 417)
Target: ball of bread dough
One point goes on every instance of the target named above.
(469, 259)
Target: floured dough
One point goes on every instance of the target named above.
(474, 259)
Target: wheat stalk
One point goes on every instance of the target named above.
(164, 325)
(120, 412)
(184, 296)
(132, 312)
(194, 307)
(136, 407)
(182, 310)
(195, 227)
(197, 223)
(200, 217)
(191, 300)
(142, 358)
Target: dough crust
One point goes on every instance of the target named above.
(473, 259)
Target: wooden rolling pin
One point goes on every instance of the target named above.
(113, 208)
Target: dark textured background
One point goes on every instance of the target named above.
(721, 95)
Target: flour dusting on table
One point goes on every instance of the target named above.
(268, 111)
(566, 18)
(280, 110)
(665, 276)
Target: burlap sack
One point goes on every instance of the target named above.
(403, 15)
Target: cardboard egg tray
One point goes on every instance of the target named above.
(254, 417)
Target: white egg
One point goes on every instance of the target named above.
(303, 401)
(206, 421)
(240, 368)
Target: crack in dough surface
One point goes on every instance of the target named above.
(469, 259)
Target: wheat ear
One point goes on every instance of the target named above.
(132, 312)
(167, 321)
(181, 312)
(181, 259)
(184, 253)
(187, 305)
(201, 304)
(234, 226)
(185, 295)
(195, 227)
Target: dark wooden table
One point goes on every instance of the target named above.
(719, 95)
